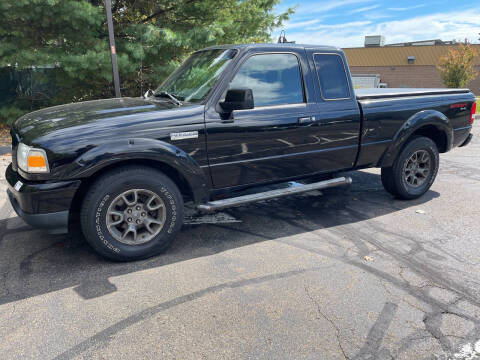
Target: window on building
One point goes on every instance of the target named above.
(275, 79)
(332, 76)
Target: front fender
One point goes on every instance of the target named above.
(415, 122)
(117, 151)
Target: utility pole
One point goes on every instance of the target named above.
(113, 50)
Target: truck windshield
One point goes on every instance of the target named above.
(194, 79)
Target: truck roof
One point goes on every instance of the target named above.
(274, 47)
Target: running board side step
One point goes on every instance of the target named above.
(272, 194)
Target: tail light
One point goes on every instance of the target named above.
(472, 114)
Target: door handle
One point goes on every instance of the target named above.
(305, 120)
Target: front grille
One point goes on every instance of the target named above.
(14, 151)
(14, 159)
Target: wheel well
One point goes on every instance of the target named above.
(168, 170)
(437, 136)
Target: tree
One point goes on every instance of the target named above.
(457, 66)
(65, 42)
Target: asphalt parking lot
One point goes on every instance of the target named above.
(343, 274)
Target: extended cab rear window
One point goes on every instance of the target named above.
(332, 76)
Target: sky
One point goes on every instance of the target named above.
(344, 23)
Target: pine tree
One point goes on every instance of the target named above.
(65, 43)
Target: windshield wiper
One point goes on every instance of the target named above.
(168, 95)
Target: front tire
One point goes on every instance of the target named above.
(414, 170)
(131, 213)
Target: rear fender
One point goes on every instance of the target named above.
(415, 122)
(113, 152)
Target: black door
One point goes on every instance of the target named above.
(257, 145)
(337, 115)
(304, 121)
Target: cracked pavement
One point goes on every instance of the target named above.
(343, 274)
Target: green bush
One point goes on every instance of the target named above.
(9, 114)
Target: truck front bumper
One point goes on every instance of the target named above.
(41, 204)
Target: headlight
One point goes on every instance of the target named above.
(32, 160)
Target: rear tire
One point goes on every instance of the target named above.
(131, 213)
(414, 170)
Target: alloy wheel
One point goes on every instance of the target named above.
(136, 216)
(417, 168)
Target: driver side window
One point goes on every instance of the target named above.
(275, 79)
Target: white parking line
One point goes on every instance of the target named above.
(470, 351)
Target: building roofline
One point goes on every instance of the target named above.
(389, 46)
(400, 55)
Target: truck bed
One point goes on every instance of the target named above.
(377, 93)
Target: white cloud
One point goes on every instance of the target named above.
(445, 26)
(376, 15)
(406, 8)
(363, 9)
(340, 26)
(314, 8)
(293, 25)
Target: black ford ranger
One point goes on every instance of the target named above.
(230, 118)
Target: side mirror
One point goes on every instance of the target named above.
(237, 99)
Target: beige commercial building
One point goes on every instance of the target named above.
(405, 65)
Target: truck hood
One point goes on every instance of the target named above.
(67, 132)
(86, 118)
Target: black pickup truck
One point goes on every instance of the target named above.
(230, 118)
